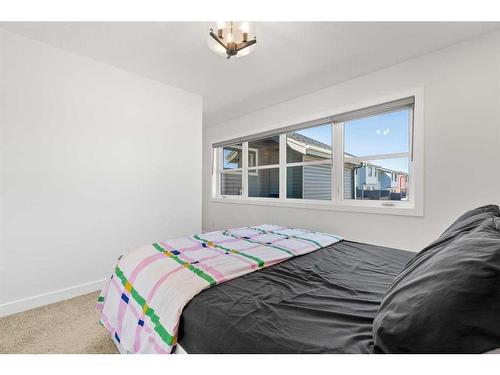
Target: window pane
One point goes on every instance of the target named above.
(232, 156)
(386, 133)
(309, 182)
(391, 182)
(309, 144)
(264, 183)
(265, 151)
(231, 183)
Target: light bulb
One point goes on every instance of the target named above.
(244, 27)
(221, 24)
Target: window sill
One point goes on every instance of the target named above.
(369, 207)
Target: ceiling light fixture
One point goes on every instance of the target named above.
(232, 38)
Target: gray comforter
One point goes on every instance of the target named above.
(322, 302)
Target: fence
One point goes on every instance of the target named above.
(379, 195)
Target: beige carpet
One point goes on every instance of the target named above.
(70, 326)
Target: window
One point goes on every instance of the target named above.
(231, 182)
(253, 157)
(362, 158)
(309, 163)
(380, 143)
(263, 171)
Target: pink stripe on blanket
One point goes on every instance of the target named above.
(122, 308)
(212, 271)
(151, 339)
(157, 347)
(137, 341)
(219, 277)
(144, 264)
(120, 290)
(123, 305)
(138, 315)
(198, 245)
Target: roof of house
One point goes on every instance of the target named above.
(303, 139)
(307, 141)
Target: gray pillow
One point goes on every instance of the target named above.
(447, 298)
(472, 218)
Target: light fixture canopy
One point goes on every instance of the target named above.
(232, 38)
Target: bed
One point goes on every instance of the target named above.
(272, 289)
(322, 302)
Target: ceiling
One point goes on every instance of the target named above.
(290, 59)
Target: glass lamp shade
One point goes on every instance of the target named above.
(231, 31)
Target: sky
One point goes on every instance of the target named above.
(386, 133)
(382, 134)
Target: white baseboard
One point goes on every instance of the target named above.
(50, 297)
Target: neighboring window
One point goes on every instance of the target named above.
(231, 181)
(253, 157)
(309, 163)
(233, 157)
(264, 183)
(379, 142)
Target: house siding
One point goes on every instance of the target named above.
(264, 184)
(231, 184)
(317, 182)
(348, 179)
(294, 183)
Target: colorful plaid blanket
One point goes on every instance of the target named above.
(143, 300)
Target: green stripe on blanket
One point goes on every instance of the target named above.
(259, 261)
(285, 235)
(149, 311)
(226, 233)
(189, 266)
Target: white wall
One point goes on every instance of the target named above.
(94, 162)
(462, 145)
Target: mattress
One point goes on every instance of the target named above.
(322, 302)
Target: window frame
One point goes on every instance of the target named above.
(411, 207)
